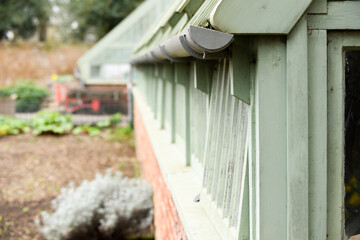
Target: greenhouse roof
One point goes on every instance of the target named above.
(180, 14)
(117, 46)
(244, 17)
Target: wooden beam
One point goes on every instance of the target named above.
(187, 120)
(252, 142)
(156, 83)
(163, 103)
(342, 15)
(173, 106)
(317, 70)
(297, 132)
(271, 150)
(258, 17)
(182, 77)
(336, 139)
(318, 6)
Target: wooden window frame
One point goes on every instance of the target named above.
(339, 42)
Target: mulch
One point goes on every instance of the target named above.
(34, 169)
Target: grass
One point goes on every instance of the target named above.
(37, 61)
(123, 134)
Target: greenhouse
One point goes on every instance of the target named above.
(242, 111)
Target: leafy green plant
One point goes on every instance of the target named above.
(115, 119)
(91, 130)
(51, 122)
(103, 124)
(4, 92)
(120, 134)
(12, 126)
(96, 130)
(29, 96)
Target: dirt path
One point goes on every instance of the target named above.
(33, 170)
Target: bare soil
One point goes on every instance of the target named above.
(34, 169)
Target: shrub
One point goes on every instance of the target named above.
(109, 207)
(29, 96)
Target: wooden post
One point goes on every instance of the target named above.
(297, 132)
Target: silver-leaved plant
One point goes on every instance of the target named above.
(108, 207)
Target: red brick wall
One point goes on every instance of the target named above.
(167, 222)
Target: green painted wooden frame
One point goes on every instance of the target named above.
(317, 85)
(338, 43)
(341, 15)
(240, 69)
(258, 17)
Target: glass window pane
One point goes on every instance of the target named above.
(352, 143)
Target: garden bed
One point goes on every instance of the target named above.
(33, 169)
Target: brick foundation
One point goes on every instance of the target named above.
(167, 222)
